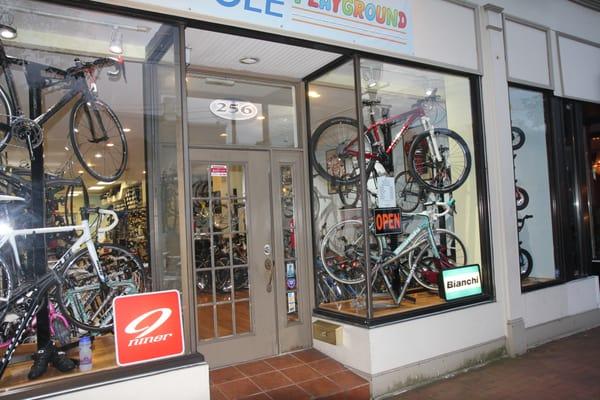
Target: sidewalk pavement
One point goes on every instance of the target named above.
(568, 368)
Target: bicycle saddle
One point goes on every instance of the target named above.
(7, 199)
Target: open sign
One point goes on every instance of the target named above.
(388, 221)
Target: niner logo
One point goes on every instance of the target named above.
(148, 326)
(143, 337)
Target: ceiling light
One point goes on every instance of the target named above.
(116, 42)
(80, 171)
(144, 172)
(7, 32)
(98, 155)
(66, 148)
(110, 144)
(224, 134)
(314, 94)
(372, 85)
(95, 188)
(249, 60)
(126, 130)
(90, 164)
(260, 117)
(76, 130)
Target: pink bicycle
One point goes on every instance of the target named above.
(438, 158)
(60, 329)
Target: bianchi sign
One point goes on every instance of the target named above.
(461, 282)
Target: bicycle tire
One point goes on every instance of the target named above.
(518, 137)
(421, 161)
(521, 198)
(427, 267)
(525, 263)
(5, 127)
(6, 289)
(102, 150)
(80, 277)
(319, 149)
(408, 192)
(342, 261)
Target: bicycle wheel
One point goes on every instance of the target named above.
(525, 263)
(452, 253)
(342, 252)
(334, 150)
(5, 120)
(84, 299)
(98, 140)
(518, 137)
(6, 289)
(408, 192)
(349, 194)
(521, 198)
(447, 174)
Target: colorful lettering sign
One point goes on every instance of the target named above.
(371, 24)
(461, 282)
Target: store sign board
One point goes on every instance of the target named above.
(148, 326)
(374, 24)
(218, 170)
(461, 282)
(388, 221)
(233, 110)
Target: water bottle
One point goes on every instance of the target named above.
(85, 354)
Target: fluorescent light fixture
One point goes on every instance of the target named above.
(126, 130)
(314, 94)
(372, 85)
(110, 144)
(116, 42)
(98, 155)
(224, 134)
(260, 117)
(7, 32)
(66, 148)
(96, 188)
(249, 60)
(80, 171)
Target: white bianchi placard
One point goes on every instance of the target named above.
(373, 24)
(461, 282)
(386, 192)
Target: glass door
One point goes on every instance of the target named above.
(233, 255)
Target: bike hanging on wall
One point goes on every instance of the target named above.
(95, 132)
(439, 158)
(525, 259)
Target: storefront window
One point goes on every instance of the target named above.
(532, 193)
(89, 128)
(421, 187)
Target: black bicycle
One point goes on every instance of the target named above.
(95, 132)
(525, 259)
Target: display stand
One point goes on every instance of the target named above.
(38, 203)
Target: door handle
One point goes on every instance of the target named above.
(269, 267)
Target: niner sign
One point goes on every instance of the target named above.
(461, 282)
(373, 24)
(148, 327)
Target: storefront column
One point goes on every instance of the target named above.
(501, 179)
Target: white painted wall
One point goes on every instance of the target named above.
(527, 53)
(182, 383)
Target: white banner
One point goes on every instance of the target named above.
(374, 24)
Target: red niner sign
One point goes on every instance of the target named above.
(148, 327)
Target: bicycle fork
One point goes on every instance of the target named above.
(431, 139)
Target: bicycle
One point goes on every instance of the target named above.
(426, 250)
(100, 148)
(87, 278)
(525, 259)
(518, 137)
(439, 159)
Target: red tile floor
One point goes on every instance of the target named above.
(306, 374)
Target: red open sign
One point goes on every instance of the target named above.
(388, 221)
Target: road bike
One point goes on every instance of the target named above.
(95, 132)
(421, 255)
(438, 159)
(525, 259)
(85, 279)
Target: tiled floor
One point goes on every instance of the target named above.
(306, 374)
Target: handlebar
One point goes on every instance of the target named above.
(99, 63)
(113, 224)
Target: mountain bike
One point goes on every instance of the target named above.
(420, 255)
(439, 159)
(86, 279)
(95, 132)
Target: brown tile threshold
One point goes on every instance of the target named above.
(104, 377)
